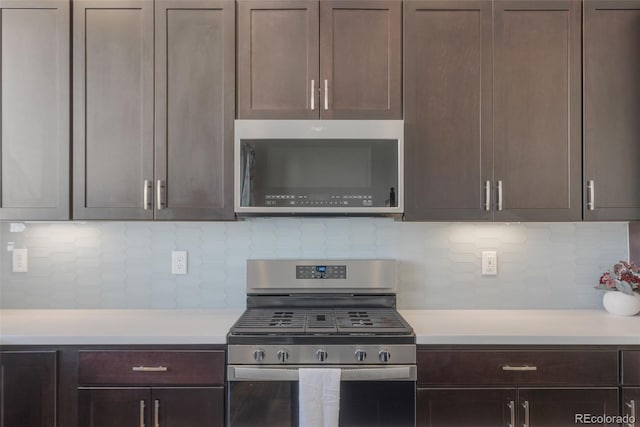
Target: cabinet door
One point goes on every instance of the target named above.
(195, 91)
(278, 59)
(113, 109)
(465, 407)
(560, 407)
(360, 59)
(611, 109)
(537, 110)
(34, 109)
(448, 143)
(28, 389)
(631, 403)
(114, 407)
(188, 407)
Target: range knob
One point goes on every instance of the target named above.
(283, 355)
(384, 355)
(322, 355)
(361, 355)
(258, 355)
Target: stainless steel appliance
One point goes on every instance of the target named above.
(321, 313)
(319, 166)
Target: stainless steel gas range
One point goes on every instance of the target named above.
(321, 314)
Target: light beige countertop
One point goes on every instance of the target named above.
(449, 327)
(86, 327)
(523, 327)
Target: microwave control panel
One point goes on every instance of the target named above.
(290, 200)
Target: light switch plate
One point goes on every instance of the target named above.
(20, 261)
(489, 263)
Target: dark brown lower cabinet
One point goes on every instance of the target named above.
(473, 386)
(464, 407)
(565, 407)
(167, 407)
(28, 389)
(541, 407)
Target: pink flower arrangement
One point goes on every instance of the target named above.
(624, 277)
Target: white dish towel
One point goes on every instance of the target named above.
(319, 397)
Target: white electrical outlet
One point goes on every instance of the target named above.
(20, 261)
(179, 262)
(489, 263)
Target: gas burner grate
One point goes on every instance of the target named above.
(320, 322)
(281, 318)
(372, 321)
(359, 318)
(270, 321)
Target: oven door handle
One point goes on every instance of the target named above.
(394, 373)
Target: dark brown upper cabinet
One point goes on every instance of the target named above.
(448, 143)
(492, 120)
(34, 110)
(334, 59)
(194, 107)
(537, 110)
(611, 110)
(113, 109)
(122, 170)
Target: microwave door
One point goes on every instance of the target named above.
(248, 173)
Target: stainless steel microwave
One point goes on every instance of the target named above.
(319, 166)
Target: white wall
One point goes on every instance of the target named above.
(127, 264)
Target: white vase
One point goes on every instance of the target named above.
(621, 304)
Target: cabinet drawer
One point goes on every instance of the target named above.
(151, 367)
(631, 367)
(539, 367)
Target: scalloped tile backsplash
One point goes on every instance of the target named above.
(128, 264)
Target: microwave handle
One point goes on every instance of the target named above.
(396, 373)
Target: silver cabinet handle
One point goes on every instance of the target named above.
(591, 197)
(525, 405)
(519, 368)
(632, 413)
(149, 369)
(313, 95)
(326, 94)
(142, 413)
(487, 195)
(499, 195)
(146, 189)
(512, 413)
(156, 413)
(160, 194)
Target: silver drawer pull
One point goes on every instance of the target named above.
(519, 368)
(149, 369)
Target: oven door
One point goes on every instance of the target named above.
(369, 396)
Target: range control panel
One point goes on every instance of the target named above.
(321, 271)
